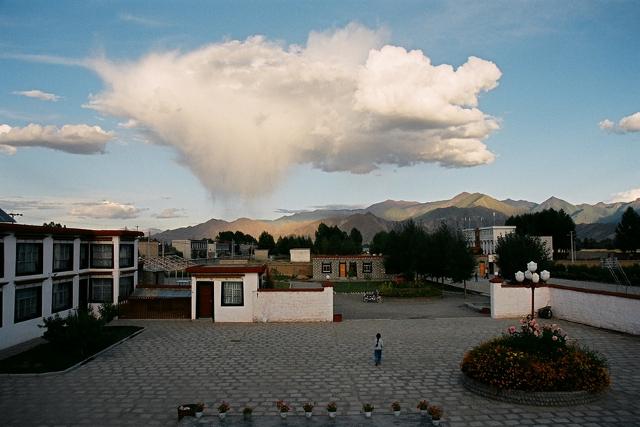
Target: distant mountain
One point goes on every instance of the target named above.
(599, 231)
(463, 210)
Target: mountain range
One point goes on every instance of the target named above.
(464, 210)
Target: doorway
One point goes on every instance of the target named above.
(342, 269)
(204, 300)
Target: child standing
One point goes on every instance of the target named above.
(377, 349)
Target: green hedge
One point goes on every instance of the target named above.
(593, 274)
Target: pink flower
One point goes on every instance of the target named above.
(512, 329)
(555, 338)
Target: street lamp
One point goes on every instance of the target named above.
(531, 280)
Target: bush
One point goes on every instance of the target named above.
(108, 311)
(79, 332)
(409, 290)
(536, 359)
(593, 273)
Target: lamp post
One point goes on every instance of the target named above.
(531, 280)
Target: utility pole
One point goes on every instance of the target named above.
(573, 254)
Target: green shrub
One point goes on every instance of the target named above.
(79, 332)
(108, 311)
(536, 359)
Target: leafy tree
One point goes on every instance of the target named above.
(237, 236)
(53, 225)
(332, 240)
(406, 250)
(379, 243)
(628, 231)
(266, 241)
(515, 250)
(356, 238)
(285, 243)
(548, 222)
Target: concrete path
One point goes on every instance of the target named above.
(142, 381)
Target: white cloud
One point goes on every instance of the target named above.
(626, 124)
(626, 196)
(129, 124)
(75, 139)
(240, 113)
(106, 210)
(171, 213)
(38, 94)
(141, 20)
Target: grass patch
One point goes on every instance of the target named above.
(347, 287)
(425, 291)
(49, 358)
(281, 284)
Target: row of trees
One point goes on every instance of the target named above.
(328, 240)
(413, 251)
(628, 231)
(548, 222)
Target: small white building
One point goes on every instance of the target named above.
(486, 238)
(235, 293)
(300, 255)
(51, 270)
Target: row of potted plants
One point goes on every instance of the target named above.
(434, 411)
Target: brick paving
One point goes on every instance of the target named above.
(142, 381)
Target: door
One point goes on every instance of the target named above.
(83, 294)
(342, 269)
(204, 300)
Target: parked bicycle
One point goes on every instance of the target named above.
(372, 297)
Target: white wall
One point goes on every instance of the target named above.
(300, 255)
(618, 313)
(222, 313)
(294, 306)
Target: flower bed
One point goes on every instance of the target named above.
(536, 358)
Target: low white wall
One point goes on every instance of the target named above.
(618, 313)
(294, 306)
(480, 287)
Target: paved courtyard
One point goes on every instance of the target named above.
(142, 381)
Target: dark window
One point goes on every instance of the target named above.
(367, 267)
(125, 287)
(84, 256)
(326, 268)
(126, 255)
(101, 256)
(232, 293)
(101, 289)
(353, 269)
(28, 259)
(62, 256)
(61, 296)
(1, 263)
(1, 304)
(28, 303)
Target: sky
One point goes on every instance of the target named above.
(161, 114)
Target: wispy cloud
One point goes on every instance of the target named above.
(290, 211)
(338, 207)
(142, 20)
(23, 204)
(38, 94)
(626, 124)
(106, 210)
(171, 213)
(46, 59)
(74, 139)
(626, 196)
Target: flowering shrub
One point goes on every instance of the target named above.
(332, 407)
(536, 358)
(224, 407)
(423, 405)
(283, 406)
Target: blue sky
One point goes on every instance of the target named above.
(349, 116)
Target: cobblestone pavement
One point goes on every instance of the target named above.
(142, 381)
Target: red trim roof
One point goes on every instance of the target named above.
(62, 231)
(347, 256)
(226, 269)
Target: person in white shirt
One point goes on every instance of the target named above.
(377, 350)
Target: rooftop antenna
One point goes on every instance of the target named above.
(13, 214)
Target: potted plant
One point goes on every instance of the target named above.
(223, 408)
(198, 409)
(332, 408)
(367, 408)
(423, 406)
(395, 406)
(436, 413)
(246, 412)
(283, 408)
(308, 409)
(185, 410)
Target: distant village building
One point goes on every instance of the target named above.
(300, 255)
(486, 238)
(261, 254)
(191, 249)
(54, 270)
(364, 267)
(149, 248)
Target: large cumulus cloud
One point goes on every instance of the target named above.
(239, 113)
(626, 124)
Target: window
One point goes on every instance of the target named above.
(1, 262)
(62, 256)
(28, 303)
(126, 256)
(28, 259)
(101, 289)
(326, 268)
(125, 287)
(84, 256)
(232, 293)
(101, 256)
(61, 296)
(367, 267)
(1, 304)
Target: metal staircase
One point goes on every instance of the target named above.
(614, 267)
(167, 263)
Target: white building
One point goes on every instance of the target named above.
(235, 293)
(192, 249)
(486, 238)
(50, 270)
(300, 255)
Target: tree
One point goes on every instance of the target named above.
(406, 250)
(333, 241)
(628, 231)
(356, 238)
(515, 250)
(379, 243)
(266, 241)
(548, 222)
(53, 225)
